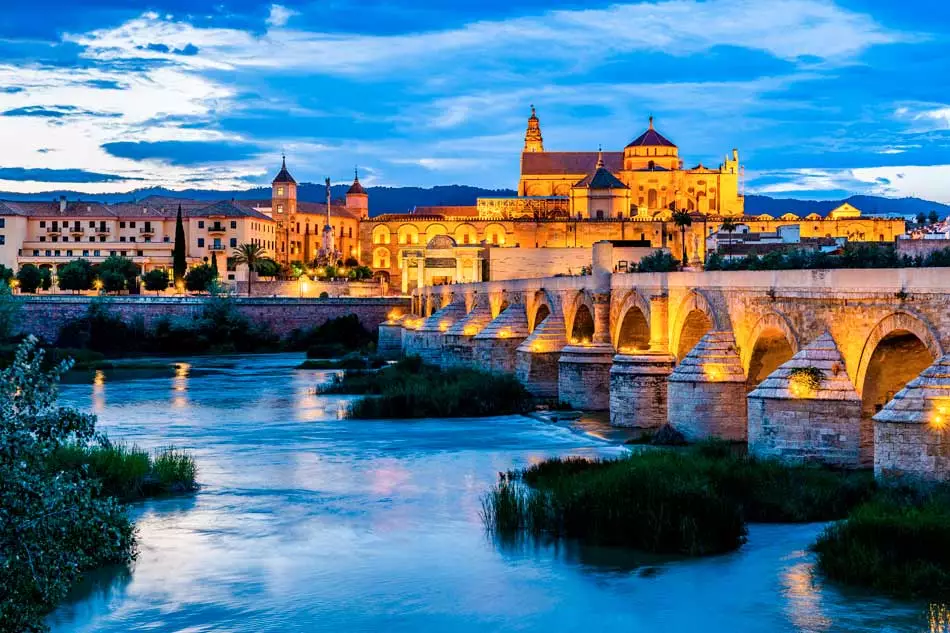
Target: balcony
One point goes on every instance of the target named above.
(77, 231)
(216, 228)
(147, 231)
(54, 230)
(217, 247)
(102, 230)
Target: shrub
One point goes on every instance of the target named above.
(658, 262)
(334, 337)
(156, 280)
(77, 275)
(30, 278)
(198, 278)
(118, 274)
(895, 543)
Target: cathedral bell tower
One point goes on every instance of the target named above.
(284, 211)
(356, 197)
(532, 137)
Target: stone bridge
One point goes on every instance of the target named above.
(841, 366)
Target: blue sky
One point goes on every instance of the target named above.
(822, 98)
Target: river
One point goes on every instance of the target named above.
(309, 522)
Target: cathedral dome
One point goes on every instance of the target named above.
(651, 138)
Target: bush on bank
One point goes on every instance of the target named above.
(692, 502)
(895, 543)
(413, 389)
(853, 255)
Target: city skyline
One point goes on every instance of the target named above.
(822, 99)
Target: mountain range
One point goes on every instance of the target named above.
(403, 199)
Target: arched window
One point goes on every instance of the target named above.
(495, 234)
(408, 234)
(465, 234)
(381, 235)
(381, 258)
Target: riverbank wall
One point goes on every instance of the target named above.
(44, 316)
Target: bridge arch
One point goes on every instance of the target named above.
(579, 318)
(539, 307)
(632, 326)
(771, 343)
(695, 316)
(899, 345)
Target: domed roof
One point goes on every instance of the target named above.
(601, 178)
(356, 187)
(651, 138)
(283, 176)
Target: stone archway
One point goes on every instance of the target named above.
(539, 307)
(896, 351)
(694, 318)
(771, 343)
(634, 312)
(582, 300)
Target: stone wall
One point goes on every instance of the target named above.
(44, 316)
(311, 289)
(806, 429)
(512, 263)
(921, 247)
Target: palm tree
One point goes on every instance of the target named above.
(728, 225)
(682, 219)
(250, 254)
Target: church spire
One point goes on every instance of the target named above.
(533, 142)
(600, 157)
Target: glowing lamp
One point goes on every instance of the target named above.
(97, 284)
(714, 372)
(504, 333)
(443, 326)
(470, 330)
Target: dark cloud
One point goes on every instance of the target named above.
(105, 84)
(183, 152)
(10, 90)
(189, 49)
(58, 175)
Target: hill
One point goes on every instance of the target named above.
(403, 199)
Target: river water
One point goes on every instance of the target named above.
(309, 522)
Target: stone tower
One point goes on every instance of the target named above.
(284, 211)
(356, 197)
(532, 137)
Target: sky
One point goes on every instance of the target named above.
(823, 99)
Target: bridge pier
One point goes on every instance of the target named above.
(536, 359)
(430, 336)
(912, 431)
(496, 344)
(795, 419)
(584, 369)
(706, 391)
(458, 346)
(638, 389)
(389, 342)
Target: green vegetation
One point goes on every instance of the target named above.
(853, 255)
(682, 219)
(355, 361)
(333, 338)
(250, 255)
(31, 278)
(199, 278)
(412, 389)
(693, 501)
(155, 280)
(179, 263)
(76, 275)
(895, 543)
(658, 262)
(58, 515)
(118, 274)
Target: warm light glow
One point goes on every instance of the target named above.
(97, 284)
(505, 333)
(938, 417)
(444, 325)
(14, 284)
(714, 372)
(798, 388)
(536, 346)
(470, 330)
(180, 286)
(304, 286)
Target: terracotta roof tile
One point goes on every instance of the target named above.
(567, 163)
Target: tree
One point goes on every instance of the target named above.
(118, 273)
(6, 275)
(933, 217)
(46, 278)
(268, 268)
(9, 312)
(921, 218)
(155, 280)
(198, 278)
(251, 255)
(214, 264)
(179, 265)
(360, 273)
(77, 275)
(351, 262)
(658, 262)
(682, 219)
(55, 525)
(29, 277)
(728, 225)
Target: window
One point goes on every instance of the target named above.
(95, 253)
(42, 224)
(148, 239)
(233, 242)
(166, 239)
(233, 224)
(122, 238)
(3, 223)
(69, 253)
(280, 208)
(85, 253)
(111, 253)
(102, 238)
(42, 238)
(3, 240)
(131, 225)
(36, 253)
(92, 239)
(231, 277)
(121, 225)
(140, 253)
(132, 238)
(280, 191)
(65, 239)
(55, 238)
(201, 242)
(122, 253)
(92, 224)
(201, 224)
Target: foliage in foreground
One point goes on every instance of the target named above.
(895, 543)
(54, 523)
(692, 502)
(412, 389)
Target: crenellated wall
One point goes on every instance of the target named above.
(887, 325)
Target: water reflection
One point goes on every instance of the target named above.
(307, 522)
(99, 391)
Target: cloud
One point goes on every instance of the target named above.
(182, 152)
(56, 112)
(786, 29)
(57, 175)
(930, 182)
(279, 15)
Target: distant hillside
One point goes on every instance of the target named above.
(403, 199)
(755, 205)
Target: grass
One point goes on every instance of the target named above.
(130, 473)
(692, 502)
(412, 389)
(896, 543)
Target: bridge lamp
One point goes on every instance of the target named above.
(504, 333)
(714, 372)
(470, 330)
(443, 326)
